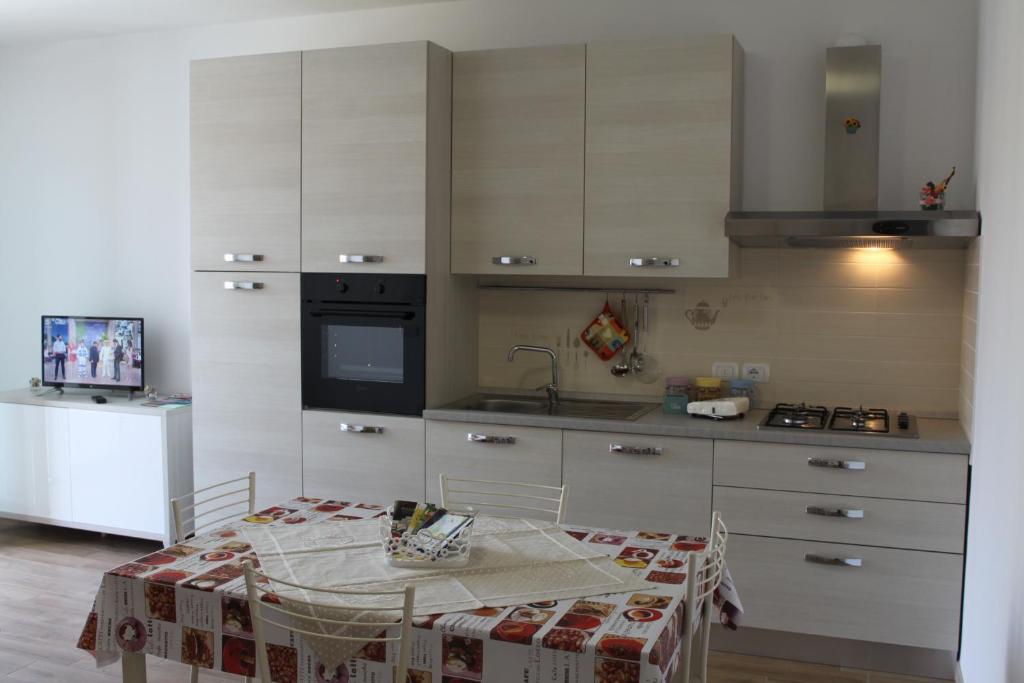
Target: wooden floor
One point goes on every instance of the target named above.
(48, 577)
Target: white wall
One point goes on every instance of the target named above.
(993, 630)
(93, 134)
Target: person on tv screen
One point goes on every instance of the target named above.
(60, 353)
(82, 355)
(94, 357)
(118, 357)
(107, 360)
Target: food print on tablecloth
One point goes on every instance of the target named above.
(187, 603)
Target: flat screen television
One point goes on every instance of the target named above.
(97, 353)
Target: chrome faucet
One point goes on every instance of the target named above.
(552, 386)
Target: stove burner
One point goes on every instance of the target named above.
(797, 416)
(872, 420)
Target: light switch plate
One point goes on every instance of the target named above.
(725, 370)
(757, 372)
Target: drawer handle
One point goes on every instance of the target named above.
(234, 284)
(514, 260)
(833, 561)
(837, 464)
(360, 258)
(653, 262)
(634, 450)
(835, 512)
(361, 429)
(242, 258)
(487, 438)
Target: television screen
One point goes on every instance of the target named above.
(93, 352)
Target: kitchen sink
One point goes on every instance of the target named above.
(566, 407)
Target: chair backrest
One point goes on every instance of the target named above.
(300, 616)
(192, 516)
(713, 559)
(504, 498)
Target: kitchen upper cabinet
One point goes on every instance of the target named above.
(664, 122)
(245, 133)
(371, 117)
(517, 160)
(246, 381)
(634, 482)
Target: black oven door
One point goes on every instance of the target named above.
(364, 357)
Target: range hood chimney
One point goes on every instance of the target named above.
(853, 80)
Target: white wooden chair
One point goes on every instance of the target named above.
(192, 518)
(503, 498)
(258, 609)
(705, 571)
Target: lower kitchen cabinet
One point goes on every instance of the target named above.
(35, 461)
(246, 381)
(361, 457)
(628, 481)
(530, 455)
(900, 597)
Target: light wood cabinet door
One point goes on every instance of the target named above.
(902, 475)
(245, 142)
(662, 156)
(364, 155)
(246, 382)
(901, 597)
(528, 455)
(363, 458)
(633, 482)
(908, 524)
(517, 160)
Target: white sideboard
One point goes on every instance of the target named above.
(110, 467)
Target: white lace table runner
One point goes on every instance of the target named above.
(512, 562)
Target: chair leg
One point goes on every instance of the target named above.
(705, 637)
(195, 674)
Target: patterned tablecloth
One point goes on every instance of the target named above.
(187, 603)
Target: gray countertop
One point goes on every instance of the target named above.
(936, 436)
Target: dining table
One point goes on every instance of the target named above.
(187, 602)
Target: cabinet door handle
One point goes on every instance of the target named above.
(242, 258)
(487, 438)
(634, 450)
(653, 262)
(833, 561)
(361, 429)
(848, 513)
(235, 284)
(360, 258)
(837, 464)
(514, 260)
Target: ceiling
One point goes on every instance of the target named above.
(29, 21)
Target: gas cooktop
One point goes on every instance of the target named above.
(860, 420)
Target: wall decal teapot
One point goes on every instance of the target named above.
(702, 316)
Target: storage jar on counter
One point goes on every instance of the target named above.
(678, 391)
(709, 389)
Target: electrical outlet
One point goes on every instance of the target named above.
(757, 372)
(725, 370)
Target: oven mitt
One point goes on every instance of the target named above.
(605, 335)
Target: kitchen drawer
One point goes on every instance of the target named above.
(937, 477)
(901, 597)
(650, 489)
(891, 523)
(362, 457)
(531, 455)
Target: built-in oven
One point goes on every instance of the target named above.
(364, 342)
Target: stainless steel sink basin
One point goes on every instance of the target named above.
(567, 407)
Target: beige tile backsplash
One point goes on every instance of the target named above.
(879, 328)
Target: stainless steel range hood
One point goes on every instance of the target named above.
(851, 217)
